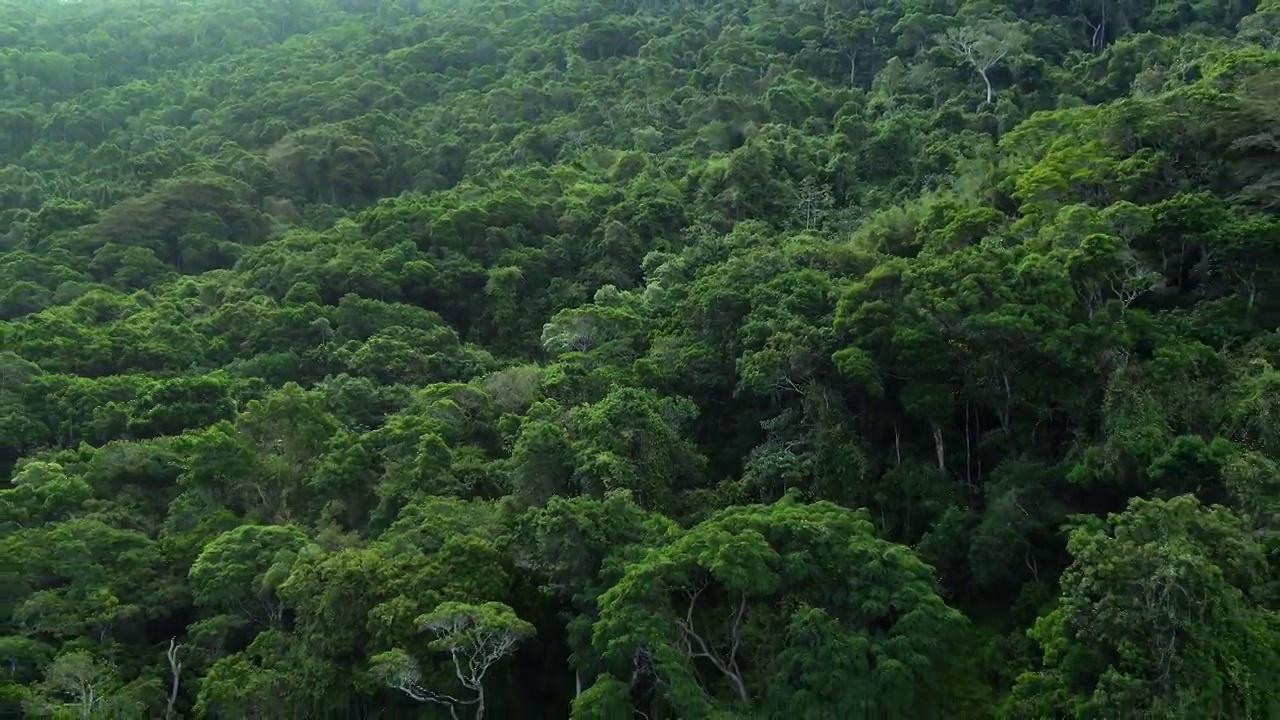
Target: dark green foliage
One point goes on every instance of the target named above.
(750, 359)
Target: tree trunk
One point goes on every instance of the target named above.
(175, 669)
(897, 444)
(938, 447)
(968, 448)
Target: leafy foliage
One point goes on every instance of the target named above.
(643, 358)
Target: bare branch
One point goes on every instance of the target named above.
(407, 678)
(175, 670)
(688, 636)
(984, 46)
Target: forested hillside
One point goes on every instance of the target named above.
(754, 359)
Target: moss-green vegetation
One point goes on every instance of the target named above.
(647, 358)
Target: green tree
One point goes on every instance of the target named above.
(475, 636)
(742, 613)
(1159, 613)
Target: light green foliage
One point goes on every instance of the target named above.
(475, 637)
(653, 358)
(240, 570)
(79, 685)
(750, 596)
(1153, 604)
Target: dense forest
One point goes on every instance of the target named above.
(603, 359)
